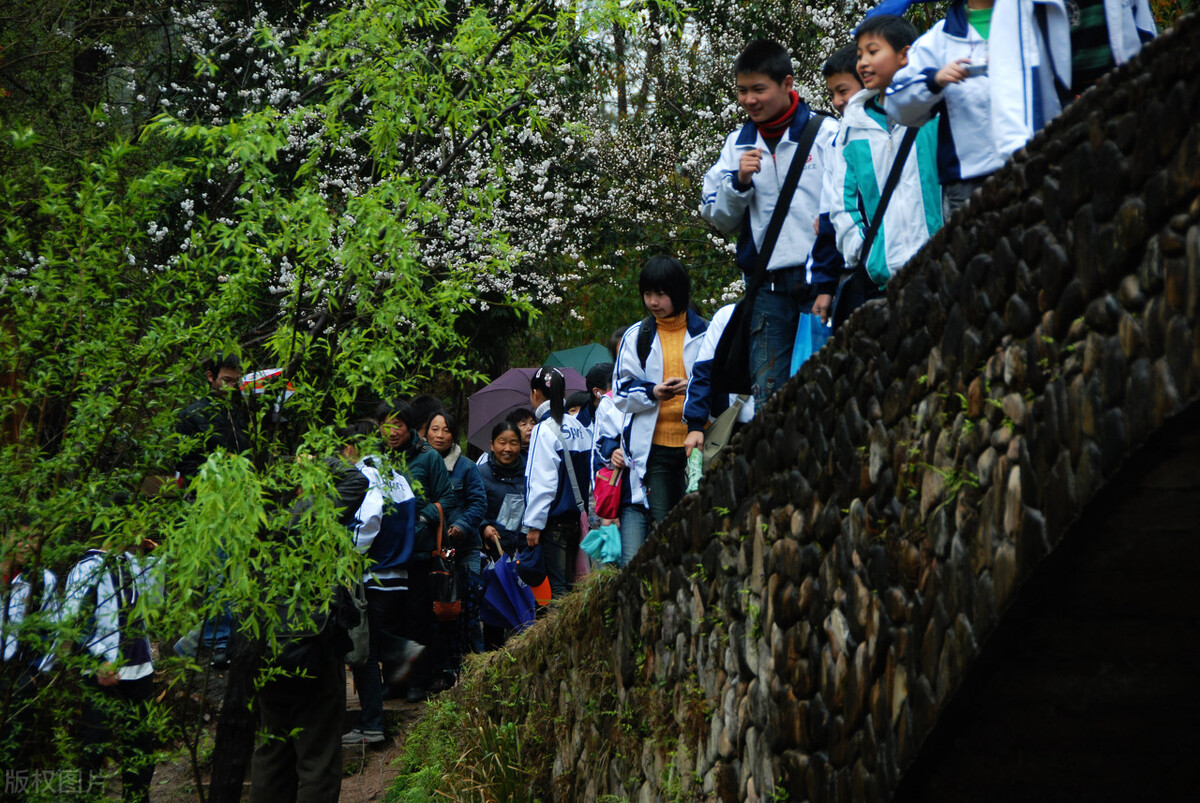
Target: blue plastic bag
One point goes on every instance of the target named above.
(603, 544)
(811, 334)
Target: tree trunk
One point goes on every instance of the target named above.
(238, 722)
(650, 69)
(622, 78)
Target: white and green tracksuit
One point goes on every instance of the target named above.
(867, 142)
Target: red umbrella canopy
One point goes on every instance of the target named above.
(489, 405)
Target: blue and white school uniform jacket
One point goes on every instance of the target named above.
(987, 117)
(16, 609)
(107, 588)
(1025, 61)
(699, 405)
(606, 432)
(830, 164)
(633, 394)
(1130, 25)
(548, 491)
(966, 149)
(868, 149)
(384, 529)
(748, 212)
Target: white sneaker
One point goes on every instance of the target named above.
(412, 652)
(357, 736)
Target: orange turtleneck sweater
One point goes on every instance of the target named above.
(670, 428)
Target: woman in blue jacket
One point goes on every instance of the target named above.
(462, 533)
(503, 475)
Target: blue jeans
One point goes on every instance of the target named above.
(216, 631)
(635, 521)
(773, 331)
(560, 544)
(666, 479)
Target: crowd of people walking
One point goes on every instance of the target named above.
(825, 213)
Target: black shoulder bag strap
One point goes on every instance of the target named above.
(857, 287)
(784, 204)
(646, 332)
(889, 186)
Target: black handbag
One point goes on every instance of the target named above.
(443, 580)
(731, 361)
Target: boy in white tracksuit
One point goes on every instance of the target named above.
(20, 606)
(740, 194)
(383, 529)
(29, 612)
(100, 597)
(1130, 26)
(868, 143)
(1037, 45)
(1028, 50)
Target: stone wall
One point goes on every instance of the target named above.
(1086, 689)
(796, 628)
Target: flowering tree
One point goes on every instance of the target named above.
(646, 129)
(317, 193)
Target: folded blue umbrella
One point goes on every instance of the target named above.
(507, 602)
(531, 565)
(496, 608)
(518, 592)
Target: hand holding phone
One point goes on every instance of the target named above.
(975, 68)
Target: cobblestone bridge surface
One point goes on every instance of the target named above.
(799, 628)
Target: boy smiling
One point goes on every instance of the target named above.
(869, 143)
(740, 194)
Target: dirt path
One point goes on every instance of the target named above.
(368, 771)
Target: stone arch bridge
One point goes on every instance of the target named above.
(956, 556)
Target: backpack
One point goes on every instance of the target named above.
(392, 501)
(647, 329)
(646, 332)
(133, 639)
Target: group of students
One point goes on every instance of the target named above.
(925, 120)
(80, 625)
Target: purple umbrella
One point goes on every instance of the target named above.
(507, 602)
(488, 406)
